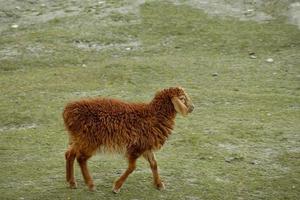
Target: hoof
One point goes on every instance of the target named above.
(116, 189)
(160, 186)
(92, 188)
(73, 185)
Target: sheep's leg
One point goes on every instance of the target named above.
(150, 157)
(131, 167)
(70, 157)
(82, 161)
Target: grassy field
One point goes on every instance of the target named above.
(241, 142)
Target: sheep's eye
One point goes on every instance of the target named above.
(182, 99)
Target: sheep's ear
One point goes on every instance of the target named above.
(179, 106)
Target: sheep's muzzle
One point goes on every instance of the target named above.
(191, 108)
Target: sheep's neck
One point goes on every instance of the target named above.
(163, 109)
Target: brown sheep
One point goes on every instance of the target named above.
(134, 129)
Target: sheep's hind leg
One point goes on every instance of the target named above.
(150, 157)
(82, 161)
(70, 157)
(131, 167)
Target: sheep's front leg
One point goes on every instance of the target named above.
(131, 167)
(150, 157)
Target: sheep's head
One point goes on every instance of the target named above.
(181, 101)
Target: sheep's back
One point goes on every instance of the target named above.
(106, 122)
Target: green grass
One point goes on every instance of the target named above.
(241, 142)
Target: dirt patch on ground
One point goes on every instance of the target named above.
(17, 128)
(243, 9)
(86, 45)
(294, 13)
(14, 14)
(246, 9)
(9, 52)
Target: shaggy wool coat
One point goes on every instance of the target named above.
(117, 126)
